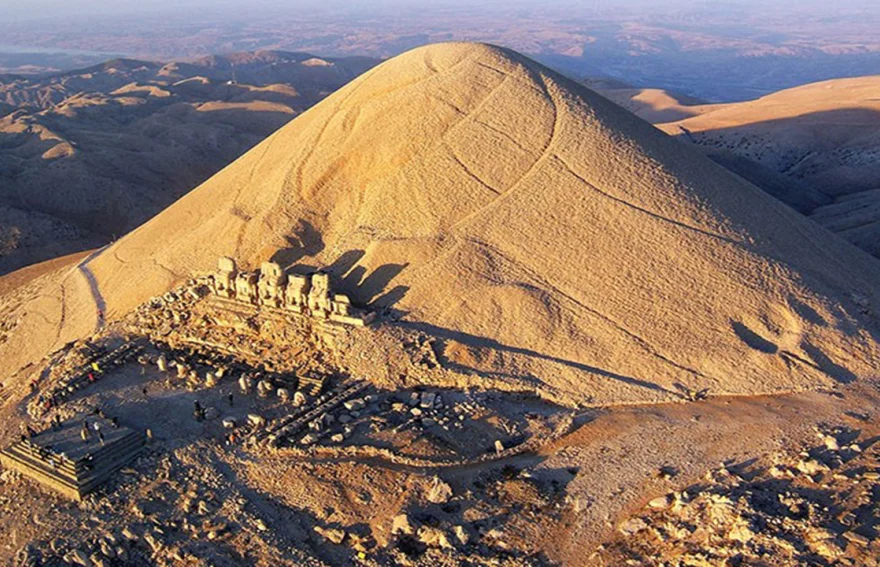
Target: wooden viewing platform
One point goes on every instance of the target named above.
(59, 459)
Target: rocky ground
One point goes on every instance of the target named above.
(403, 472)
(818, 507)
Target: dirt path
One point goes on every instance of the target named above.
(100, 304)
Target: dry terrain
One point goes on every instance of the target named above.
(814, 147)
(715, 51)
(86, 156)
(593, 345)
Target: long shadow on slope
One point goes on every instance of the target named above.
(306, 240)
(367, 288)
(485, 342)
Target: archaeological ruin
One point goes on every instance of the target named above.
(271, 287)
(74, 458)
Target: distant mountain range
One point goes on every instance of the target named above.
(87, 155)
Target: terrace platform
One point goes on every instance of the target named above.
(61, 460)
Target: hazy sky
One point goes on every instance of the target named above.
(713, 49)
(54, 8)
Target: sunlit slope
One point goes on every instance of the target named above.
(539, 230)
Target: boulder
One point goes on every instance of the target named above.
(433, 537)
(632, 526)
(400, 524)
(440, 492)
(660, 503)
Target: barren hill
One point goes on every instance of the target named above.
(100, 150)
(823, 137)
(541, 233)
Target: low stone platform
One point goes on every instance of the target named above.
(61, 460)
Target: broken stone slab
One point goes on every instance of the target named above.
(427, 400)
(333, 535)
(264, 388)
(153, 541)
(811, 467)
(129, 534)
(256, 420)
(107, 549)
(354, 405)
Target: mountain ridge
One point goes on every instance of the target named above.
(531, 225)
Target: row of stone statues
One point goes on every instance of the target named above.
(273, 287)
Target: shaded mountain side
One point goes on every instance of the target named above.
(798, 195)
(824, 137)
(544, 235)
